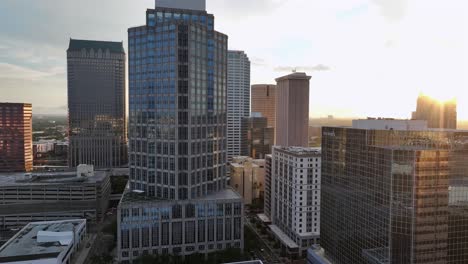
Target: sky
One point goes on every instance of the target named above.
(366, 57)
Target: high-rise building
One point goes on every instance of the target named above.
(438, 114)
(178, 202)
(268, 185)
(248, 178)
(96, 104)
(238, 100)
(257, 138)
(394, 193)
(16, 146)
(293, 191)
(292, 110)
(264, 102)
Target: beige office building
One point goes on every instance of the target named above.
(248, 177)
(264, 101)
(292, 110)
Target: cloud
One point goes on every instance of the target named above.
(11, 71)
(392, 10)
(255, 61)
(316, 68)
(239, 8)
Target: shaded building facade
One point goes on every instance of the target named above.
(238, 100)
(248, 178)
(264, 102)
(292, 110)
(96, 104)
(16, 146)
(257, 137)
(394, 196)
(29, 197)
(438, 114)
(178, 202)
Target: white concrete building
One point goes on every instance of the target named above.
(238, 100)
(295, 197)
(53, 242)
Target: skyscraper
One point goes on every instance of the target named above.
(96, 104)
(257, 138)
(238, 99)
(16, 152)
(394, 192)
(438, 114)
(178, 202)
(264, 102)
(292, 110)
(292, 185)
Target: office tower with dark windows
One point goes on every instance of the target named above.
(97, 104)
(264, 102)
(238, 100)
(292, 110)
(438, 114)
(16, 146)
(292, 185)
(257, 137)
(178, 202)
(394, 192)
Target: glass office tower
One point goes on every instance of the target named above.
(238, 100)
(96, 104)
(177, 133)
(394, 196)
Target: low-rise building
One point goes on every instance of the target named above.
(294, 197)
(148, 225)
(316, 255)
(31, 197)
(53, 242)
(248, 178)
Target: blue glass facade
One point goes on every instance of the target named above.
(177, 98)
(177, 135)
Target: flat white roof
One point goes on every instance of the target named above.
(40, 242)
(264, 218)
(283, 237)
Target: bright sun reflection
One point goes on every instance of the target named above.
(440, 96)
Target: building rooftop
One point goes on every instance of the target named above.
(199, 5)
(283, 237)
(294, 76)
(300, 150)
(140, 197)
(40, 240)
(240, 161)
(247, 262)
(46, 178)
(113, 47)
(317, 254)
(15, 104)
(390, 124)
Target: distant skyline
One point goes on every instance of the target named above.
(366, 57)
